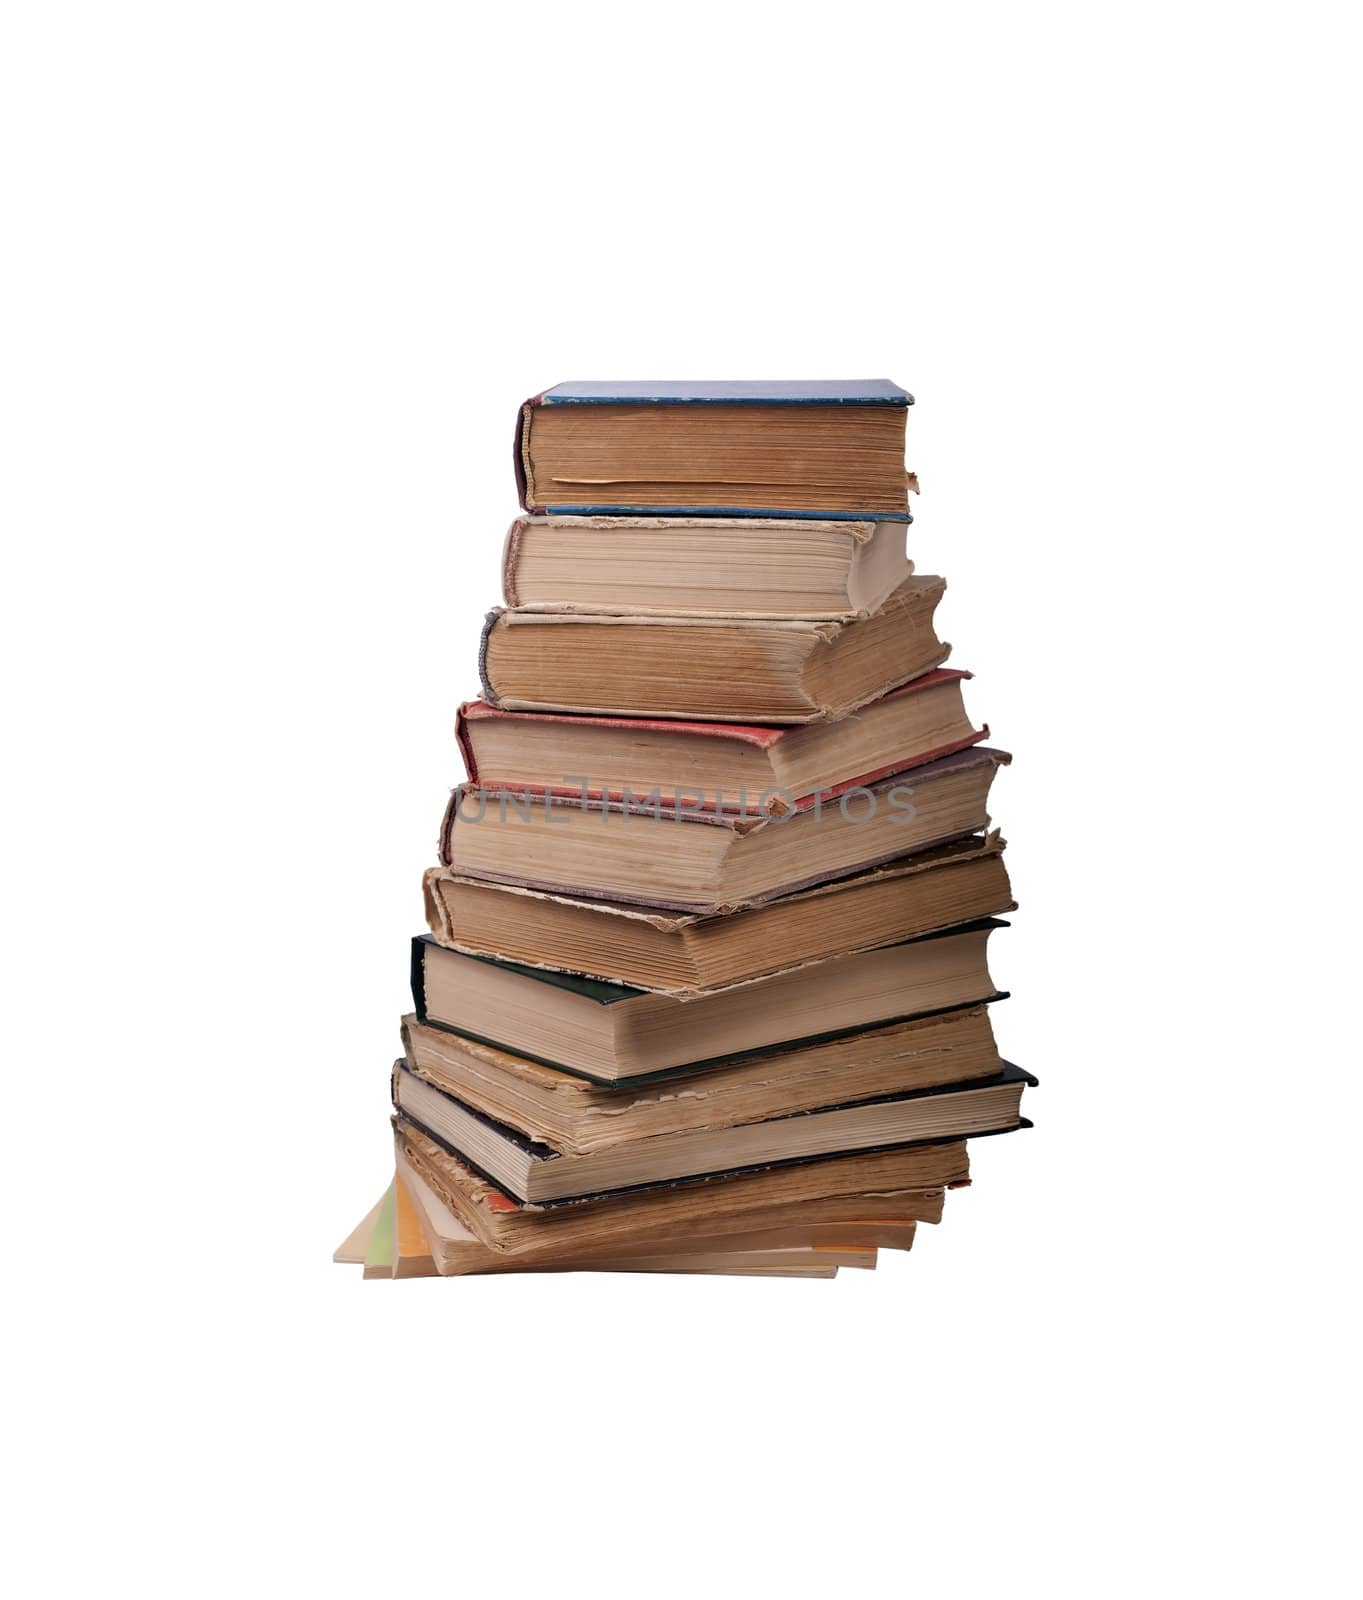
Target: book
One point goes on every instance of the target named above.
(381, 1251)
(794, 1249)
(683, 952)
(903, 1183)
(685, 566)
(608, 1032)
(355, 1246)
(817, 448)
(535, 1172)
(745, 769)
(710, 669)
(642, 853)
(580, 1117)
(785, 1253)
(412, 1257)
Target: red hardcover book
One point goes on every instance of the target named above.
(733, 768)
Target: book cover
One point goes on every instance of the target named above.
(727, 392)
(531, 1170)
(625, 530)
(382, 1250)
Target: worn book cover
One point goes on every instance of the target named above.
(603, 993)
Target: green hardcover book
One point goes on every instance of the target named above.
(382, 1251)
(610, 1032)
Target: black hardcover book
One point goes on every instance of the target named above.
(535, 1173)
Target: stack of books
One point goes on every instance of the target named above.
(706, 986)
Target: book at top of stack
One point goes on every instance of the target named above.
(706, 985)
(807, 450)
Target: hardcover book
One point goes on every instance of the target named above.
(636, 851)
(689, 566)
(684, 953)
(761, 770)
(814, 448)
(536, 1173)
(709, 669)
(412, 1256)
(904, 1183)
(580, 1117)
(608, 1032)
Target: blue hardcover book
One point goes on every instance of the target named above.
(729, 392)
(811, 448)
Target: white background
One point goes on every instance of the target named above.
(277, 277)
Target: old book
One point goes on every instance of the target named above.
(819, 448)
(428, 1240)
(716, 766)
(355, 1246)
(677, 566)
(783, 1253)
(580, 1117)
(682, 952)
(899, 1183)
(412, 1257)
(715, 669)
(608, 1031)
(643, 854)
(381, 1251)
(535, 1172)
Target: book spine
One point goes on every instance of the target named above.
(489, 693)
(510, 551)
(445, 846)
(520, 456)
(418, 975)
(438, 919)
(806, 514)
(461, 738)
